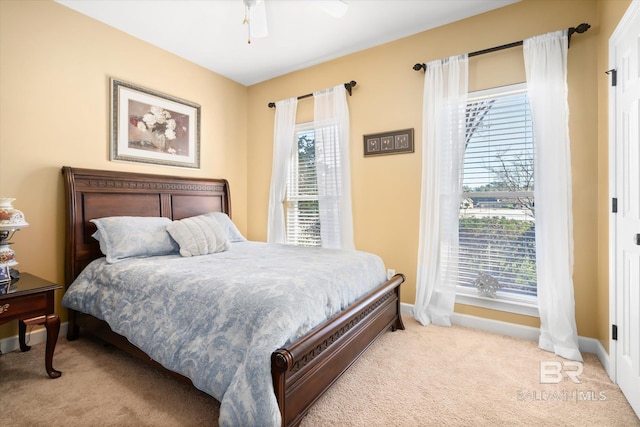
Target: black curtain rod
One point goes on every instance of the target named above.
(347, 86)
(579, 29)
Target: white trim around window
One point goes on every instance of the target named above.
(527, 306)
(505, 300)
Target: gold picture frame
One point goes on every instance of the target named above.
(152, 127)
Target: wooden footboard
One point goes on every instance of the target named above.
(305, 370)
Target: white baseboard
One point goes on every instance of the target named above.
(37, 336)
(587, 345)
(592, 345)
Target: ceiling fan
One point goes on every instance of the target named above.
(255, 14)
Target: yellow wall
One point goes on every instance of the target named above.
(386, 190)
(55, 66)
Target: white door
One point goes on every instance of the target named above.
(624, 46)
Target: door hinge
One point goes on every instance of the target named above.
(614, 332)
(614, 205)
(614, 76)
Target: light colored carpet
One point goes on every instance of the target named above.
(418, 377)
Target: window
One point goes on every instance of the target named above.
(497, 210)
(301, 202)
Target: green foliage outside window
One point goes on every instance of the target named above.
(505, 246)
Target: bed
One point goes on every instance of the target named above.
(301, 370)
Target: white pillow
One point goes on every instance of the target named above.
(124, 237)
(199, 235)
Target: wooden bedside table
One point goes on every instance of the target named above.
(30, 300)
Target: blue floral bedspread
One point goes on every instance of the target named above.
(217, 318)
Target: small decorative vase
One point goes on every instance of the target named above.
(7, 255)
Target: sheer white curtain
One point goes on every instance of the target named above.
(331, 124)
(443, 144)
(546, 69)
(283, 143)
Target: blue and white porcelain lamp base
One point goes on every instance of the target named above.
(11, 220)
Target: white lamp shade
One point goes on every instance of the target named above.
(11, 219)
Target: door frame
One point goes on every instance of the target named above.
(629, 15)
(613, 194)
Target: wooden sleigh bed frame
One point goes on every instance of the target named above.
(303, 371)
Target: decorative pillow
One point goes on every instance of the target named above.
(230, 229)
(124, 237)
(199, 235)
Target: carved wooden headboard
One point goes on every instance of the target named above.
(94, 194)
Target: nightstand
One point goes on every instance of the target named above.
(30, 301)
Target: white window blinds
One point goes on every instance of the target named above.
(301, 204)
(497, 210)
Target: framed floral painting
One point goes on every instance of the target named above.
(152, 127)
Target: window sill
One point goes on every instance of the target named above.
(526, 308)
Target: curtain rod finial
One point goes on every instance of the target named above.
(272, 105)
(419, 67)
(582, 28)
(579, 29)
(349, 86)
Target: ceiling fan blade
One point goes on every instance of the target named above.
(335, 8)
(258, 20)
(256, 14)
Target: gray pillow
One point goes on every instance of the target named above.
(123, 237)
(199, 235)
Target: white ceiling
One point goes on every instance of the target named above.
(211, 34)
